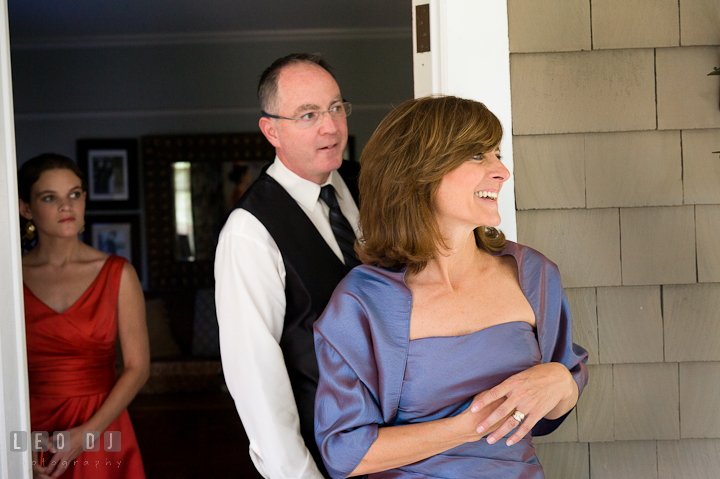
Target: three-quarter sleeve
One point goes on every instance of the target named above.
(361, 343)
(555, 339)
(347, 411)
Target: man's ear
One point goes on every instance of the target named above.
(25, 210)
(269, 129)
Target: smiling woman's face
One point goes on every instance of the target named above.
(467, 196)
(57, 203)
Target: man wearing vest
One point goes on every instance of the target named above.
(279, 257)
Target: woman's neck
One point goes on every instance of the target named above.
(453, 263)
(56, 251)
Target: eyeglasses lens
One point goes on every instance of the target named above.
(336, 113)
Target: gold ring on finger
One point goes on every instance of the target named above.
(518, 416)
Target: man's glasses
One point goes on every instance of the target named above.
(312, 118)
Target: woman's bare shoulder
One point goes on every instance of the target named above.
(129, 273)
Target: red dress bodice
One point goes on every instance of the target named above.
(71, 369)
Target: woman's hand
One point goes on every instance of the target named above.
(473, 418)
(60, 460)
(546, 390)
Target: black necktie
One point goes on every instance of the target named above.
(341, 228)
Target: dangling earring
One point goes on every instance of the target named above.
(29, 230)
(82, 229)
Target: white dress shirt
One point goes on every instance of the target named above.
(250, 302)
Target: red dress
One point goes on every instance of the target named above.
(71, 368)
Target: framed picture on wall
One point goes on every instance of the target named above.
(110, 168)
(115, 234)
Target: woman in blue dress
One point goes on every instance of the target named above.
(450, 346)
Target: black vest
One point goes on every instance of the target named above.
(312, 273)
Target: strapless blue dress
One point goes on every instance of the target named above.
(442, 376)
(373, 376)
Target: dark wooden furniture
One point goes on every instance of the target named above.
(190, 436)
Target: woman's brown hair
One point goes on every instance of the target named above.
(402, 166)
(29, 173)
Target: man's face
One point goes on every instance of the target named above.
(314, 152)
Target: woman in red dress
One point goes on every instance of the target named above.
(77, 300)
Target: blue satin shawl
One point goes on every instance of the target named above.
(362, 340)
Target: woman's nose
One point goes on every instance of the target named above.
(500, 171)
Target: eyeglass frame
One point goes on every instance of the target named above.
(347, 107)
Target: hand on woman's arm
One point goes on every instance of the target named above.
(132, 330)
(398, 446)
(543, 391)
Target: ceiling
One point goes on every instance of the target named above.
(64, 19)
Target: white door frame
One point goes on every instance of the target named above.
(469, 57)
(14, 402)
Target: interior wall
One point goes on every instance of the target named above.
(614, 125)
(129, 87)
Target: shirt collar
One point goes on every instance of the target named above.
(304, 192)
